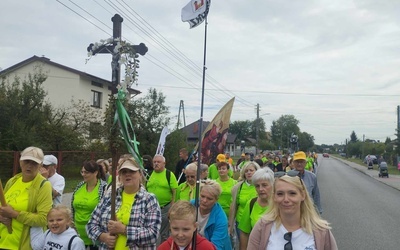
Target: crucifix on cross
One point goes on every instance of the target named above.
(117, 48)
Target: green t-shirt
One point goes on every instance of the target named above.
(213, 172)
(246, 193)
(158, 185)
(264, 159)
(309, 164)
(185, 192)
(248, 220)
(241, 165)
(17, 197)
(225, 199)
(123, 215)
(84, 204)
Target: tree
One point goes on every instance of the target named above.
(22, 107)
(32, 121)
(353, 137)
(306, 141)
(282, 129)
(149, 116)
(242, 129)
(174, 142)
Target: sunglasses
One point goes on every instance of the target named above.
(291, 173)
(288, 236)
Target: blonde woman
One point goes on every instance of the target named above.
(242, 192)
(292, 220)
(212, 221)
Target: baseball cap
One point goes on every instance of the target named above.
(300, 155)
(33, 154)
(242, 154)
(128, 165)
(50, 160)
(221, 158)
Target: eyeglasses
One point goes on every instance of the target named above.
(288, 236)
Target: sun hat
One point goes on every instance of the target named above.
(33, 154)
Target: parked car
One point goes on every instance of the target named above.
(326, 155)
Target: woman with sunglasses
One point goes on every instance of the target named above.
(292, 222)
(86, 196)
(138, 215)
(263, 180)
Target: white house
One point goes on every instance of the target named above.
(64, 84)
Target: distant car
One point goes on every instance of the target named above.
(326, 155)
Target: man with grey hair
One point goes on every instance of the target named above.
(57, 181)
(163, 184)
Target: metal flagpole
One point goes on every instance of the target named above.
(200, 132)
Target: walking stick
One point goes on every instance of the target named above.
(4, 204)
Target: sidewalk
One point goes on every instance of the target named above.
(393, 180)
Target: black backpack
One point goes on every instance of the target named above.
(252, 203)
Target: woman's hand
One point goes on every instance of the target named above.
(108, 239)
(6, 221)
(9, 212)
(116, 227)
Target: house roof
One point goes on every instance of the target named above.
(192, 130)
(47, 61)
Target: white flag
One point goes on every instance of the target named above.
(161, 143)
(195, 12)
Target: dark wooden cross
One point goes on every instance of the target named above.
(116, 68)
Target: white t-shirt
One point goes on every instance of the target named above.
(300, 239)
(47, 240)
(58, 183)
(202, 223)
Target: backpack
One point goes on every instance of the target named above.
(168, 175)
(252, 204)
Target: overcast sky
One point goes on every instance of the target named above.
(334, 65)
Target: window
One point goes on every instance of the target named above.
(96, 99)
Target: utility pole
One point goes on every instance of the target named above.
(257, 126)
(181, 107)
(116, 68)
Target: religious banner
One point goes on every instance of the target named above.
(215, 135)
(195, 12)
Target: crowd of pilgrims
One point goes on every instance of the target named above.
(266, 201)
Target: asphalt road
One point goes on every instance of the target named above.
(363, 211)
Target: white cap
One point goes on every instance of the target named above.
(50, 160)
